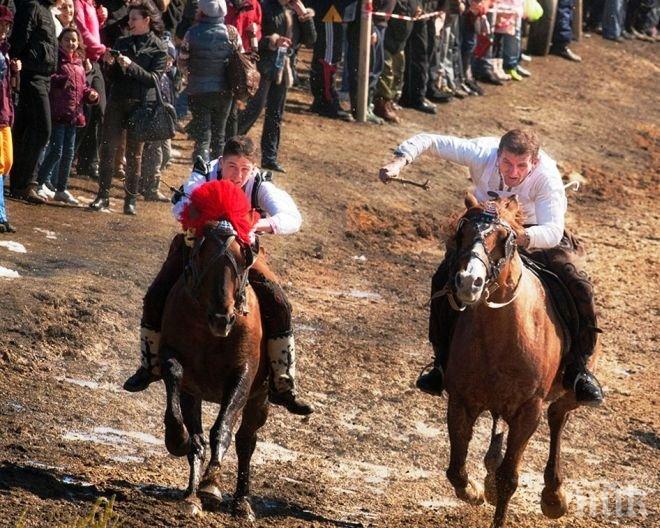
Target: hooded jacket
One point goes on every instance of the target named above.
(69, 91)
(6, 103)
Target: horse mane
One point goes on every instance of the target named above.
(219, 200)
(514, 217)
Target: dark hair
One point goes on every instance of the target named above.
(81, 46)
(240, 146)
(148, 9)
(520, 142)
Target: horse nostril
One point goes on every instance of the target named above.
(457, 280)
(479, 282)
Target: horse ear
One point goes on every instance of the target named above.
(512, 203)
(470, 200)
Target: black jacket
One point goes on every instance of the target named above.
(274, 21)
(33, 39)
(149, 55)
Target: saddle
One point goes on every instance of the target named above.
(561, 298)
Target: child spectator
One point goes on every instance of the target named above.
(7, 70)
(69, 91)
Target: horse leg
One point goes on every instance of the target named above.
(192, 415)
(460, 423)
(521, 427)
(493, 459)
(177, 439)
(553, 499)
(234, 399)
(254, 417)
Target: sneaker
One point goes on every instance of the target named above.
(523, 71)
(65, 197)
(514, 74)
(472, 84)
(525, 57)
(566, 53)
(6, 227)
(44, 192)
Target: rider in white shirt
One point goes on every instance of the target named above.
(279, 215)
(513, 165)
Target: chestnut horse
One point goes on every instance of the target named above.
(505, 357)
(212, 349)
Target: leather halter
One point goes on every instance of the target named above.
(224, 234)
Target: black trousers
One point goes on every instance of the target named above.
(564, 261)
(275, 307)
(32, 129)
(209, 119)
(418, 51)
(272, 97)
(88, 139)
(114, 124)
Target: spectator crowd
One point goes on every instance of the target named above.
(73, 72)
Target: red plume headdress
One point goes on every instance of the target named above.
(219, 200)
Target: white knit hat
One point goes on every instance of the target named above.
(213, 8)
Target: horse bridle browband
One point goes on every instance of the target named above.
(224, 235)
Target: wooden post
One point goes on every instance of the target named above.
(363, 65)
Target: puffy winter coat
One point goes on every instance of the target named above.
(69, 91)
(241, 14)
(204, 54)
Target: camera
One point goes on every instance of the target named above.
(115, 53)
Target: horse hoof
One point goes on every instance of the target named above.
(211, 495)
(553, 504)
(241, 508)
(490, 489)
(191, 506)
(472, 493)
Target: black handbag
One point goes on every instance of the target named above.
(152, 120)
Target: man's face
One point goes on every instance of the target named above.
(236, 169)
(514, 168)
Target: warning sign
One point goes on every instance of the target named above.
(332, 15)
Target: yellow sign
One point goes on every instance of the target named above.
(332, 15)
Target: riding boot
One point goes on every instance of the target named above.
(432, 382)
(102, 201)
(149, 369)
(577, 377)
(282, 358)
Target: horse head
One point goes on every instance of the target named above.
(484, 239)
(217, 275)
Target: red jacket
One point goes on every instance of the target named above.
(241, 18)
(6, 103)
(69, 91)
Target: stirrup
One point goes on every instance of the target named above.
(431, 382)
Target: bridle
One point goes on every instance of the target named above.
(485, 224)
(224, 234)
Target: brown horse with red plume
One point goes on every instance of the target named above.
(505, 358)
(212, 346)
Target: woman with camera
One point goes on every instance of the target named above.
(133, 67)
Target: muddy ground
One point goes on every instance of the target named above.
(358, 274)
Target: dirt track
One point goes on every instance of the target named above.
(358, 274)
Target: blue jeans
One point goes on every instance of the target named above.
(614, 15)
(511, 49)
(3, 211)
(59, 157)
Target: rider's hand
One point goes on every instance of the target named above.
(523, 240)
(392, 169)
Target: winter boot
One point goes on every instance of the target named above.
(282, 358)
(149, 370)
